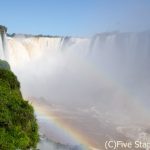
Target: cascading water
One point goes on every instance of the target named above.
(98, 85)
(2, 43)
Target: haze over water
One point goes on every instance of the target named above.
(98, 86)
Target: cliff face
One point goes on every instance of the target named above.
(18, 127)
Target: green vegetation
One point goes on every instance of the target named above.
(4, 65)
(3, 28)
(18, 126)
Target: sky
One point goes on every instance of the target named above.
(74, 17)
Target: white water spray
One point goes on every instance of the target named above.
(105, 78)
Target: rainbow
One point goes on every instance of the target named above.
(60, 125)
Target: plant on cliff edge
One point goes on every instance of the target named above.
(18, 126)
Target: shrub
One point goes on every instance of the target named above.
(4, 65)
(18, 126)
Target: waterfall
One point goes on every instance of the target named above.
(104, 79)
(120, 57)
(2, 44)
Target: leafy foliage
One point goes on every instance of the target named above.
(3, 28)
(4, 65)
(18, 126)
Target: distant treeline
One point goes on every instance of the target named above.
(31, 35)
(3, 28)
